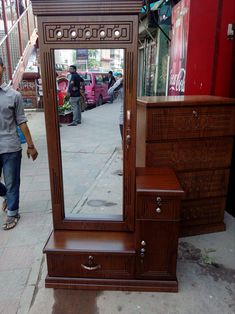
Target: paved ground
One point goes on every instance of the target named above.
(203, 288)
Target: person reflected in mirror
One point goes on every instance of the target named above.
(83, 96)
(74, 95)
(11, 116)
(112, 81)
(117, 92)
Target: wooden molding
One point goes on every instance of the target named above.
(84, 7)
(113, 31)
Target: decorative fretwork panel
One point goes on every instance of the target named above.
(92, 32)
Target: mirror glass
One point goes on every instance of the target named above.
(90, 111)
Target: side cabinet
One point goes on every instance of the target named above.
(157, 225)
(193, 135)
(157, 244)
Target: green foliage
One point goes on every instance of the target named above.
(93, 63)
(66, 106)
(207, 259)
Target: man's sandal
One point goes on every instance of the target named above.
(11, 222)
(4, 205)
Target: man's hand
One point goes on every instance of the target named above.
(31, 151)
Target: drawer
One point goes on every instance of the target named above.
(203, 184)
(157, 207)
(91, 265)
(202, 211)
(192, 154)
(193, 122)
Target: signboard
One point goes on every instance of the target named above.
(28, 90)
(179, 45)
(81, 54)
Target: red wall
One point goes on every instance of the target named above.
(225, 69)
(210, 55)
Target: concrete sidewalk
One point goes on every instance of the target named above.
(203, 288)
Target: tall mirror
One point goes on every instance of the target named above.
(90, 104)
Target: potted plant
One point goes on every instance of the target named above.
(65, 111)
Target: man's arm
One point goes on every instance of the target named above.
(31, 150)
(70, 85)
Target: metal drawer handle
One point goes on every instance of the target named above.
(158, 210)
(91, 265)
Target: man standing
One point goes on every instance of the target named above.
(11, 116)
(74, 94)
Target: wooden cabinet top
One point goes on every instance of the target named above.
(158, 180)
(85, 7)
(176, 101)
(91, 241)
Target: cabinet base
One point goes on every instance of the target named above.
(186, 231)
(111, 284)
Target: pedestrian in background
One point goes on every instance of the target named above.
(11, 116)
(75, 94)
(112, 81)
(118, 90)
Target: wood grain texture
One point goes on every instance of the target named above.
(112, 284)
(188, 155)
(113, 260)
(194, 135)
(184, 101)
(160, 255)
(48, 27)
(147, 206)
(83, 32)
(86, 241)
(193, 122)
(204, 184)
(105, 254)
(203, 211)
(83, 7)
(104, 266)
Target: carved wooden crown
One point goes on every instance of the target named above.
(86, 7)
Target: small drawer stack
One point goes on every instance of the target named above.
(158, 198)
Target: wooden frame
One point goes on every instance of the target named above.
(83, 31)
(140, 252)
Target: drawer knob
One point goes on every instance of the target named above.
(195, 114)
(143, 249)
(158, 210)
(159, 201)
(90, 264)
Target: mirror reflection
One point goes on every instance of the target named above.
(90, 99)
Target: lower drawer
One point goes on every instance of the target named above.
(202, 211)
(90, 265)
(204, 184)
(187, 155)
